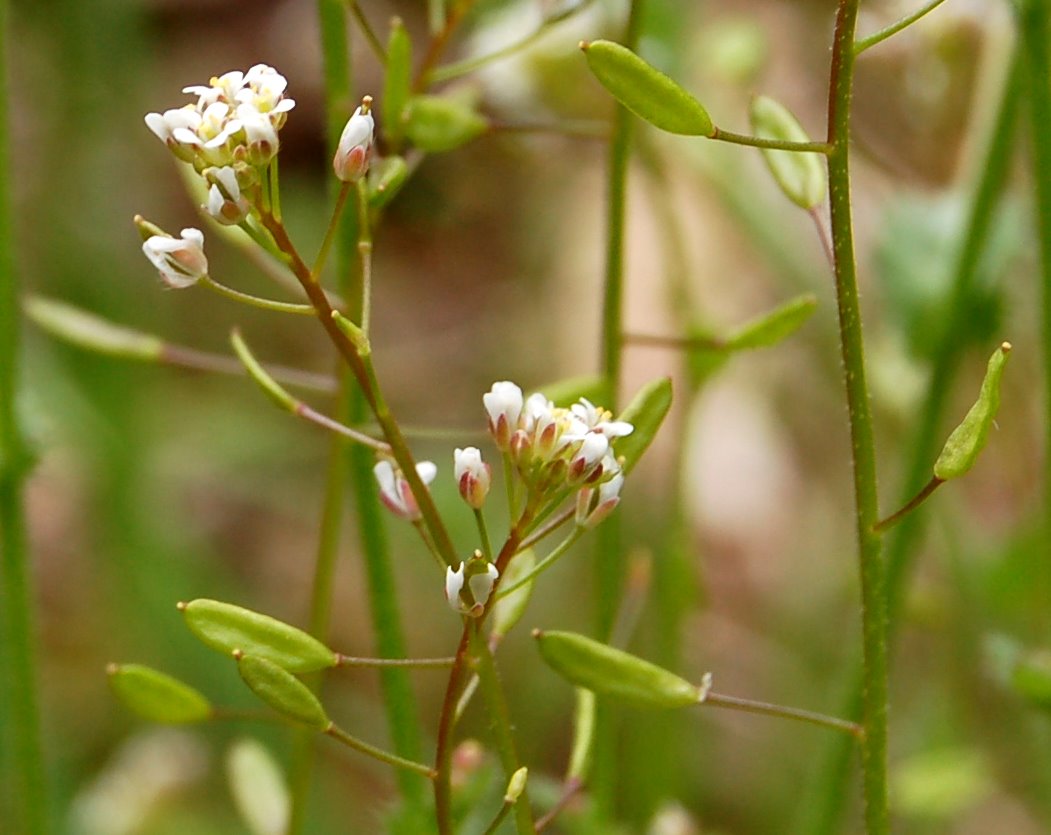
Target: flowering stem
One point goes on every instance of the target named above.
(257, 301)
(544, 564)
(275, 189)
(873, 601)
(378, 753)
(768, 709)
(365, 255)
(330, 233)
(878, 37)
(22, 777)
(774, 144)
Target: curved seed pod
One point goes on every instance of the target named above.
(801, 175)
(87, 330)
(281, 690)
(646, 412)
(397, 83)
(157, 696)
(436, 123)
(645, 90)
(227, 628)
(771, 328)
(613, 672)
(969, 438)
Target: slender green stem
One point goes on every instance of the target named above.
(365, 255)
(184, 357)
(496, 702)
(878, 37)
(423, 663)
(483, 534)
(469, 65)
(873, 601)
(378, 753)
(257, 301)
(333, 229)
(909, 506)
(368, 32)
(325, 422)
(822, 813)
(442, 29)
(766, 708)
(492, 828)
(774, 144)
(446, 726)
(677, 343)
(544, 564)
(1035, 30)
(22, 779)
(549, 528)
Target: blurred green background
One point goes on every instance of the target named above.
(156, 485)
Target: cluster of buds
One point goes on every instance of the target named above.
(554, 448)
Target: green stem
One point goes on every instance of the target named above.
(873, 601)
(423, 663)
(368, 32)
(767, 709)
(257, 301)
(468, 65)
(1035, 30)
(544, 564)
(882, 35)
(824, 811)
(365, 256)
(496, 702)
(774, 144)
(442, 29)
(330, 233)
(378, 753)
(483, 534)
(909, 506)
(23, 793)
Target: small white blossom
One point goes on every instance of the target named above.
(394, 489)
(591, 511)
(225, 202)
(351, 161)
(503, 402)
(180, 261)
(481, 584)
(260, 134)
(473, 476)
(592, 450)
(453, 585)
(165, 127)
(480, 577)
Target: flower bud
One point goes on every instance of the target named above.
(351, 161)
(592, 510)
(473, 475)
(180, 262)
(503, 402)
(395, 492)
(225, 202)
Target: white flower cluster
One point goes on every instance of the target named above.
(235, 119)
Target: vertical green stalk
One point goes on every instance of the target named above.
(821, 816)
(24, 804)
(1035, 31)
(873, 603)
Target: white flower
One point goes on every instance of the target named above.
(453, 585)
(264, 89)
(473, 476)
(592, 450)
(260, 134)
(480, 577)
(481, 584)
(503, 402)
(355, 145)
(165, 127)
(394, 489)
(225, 202)
(591, 511)
(180, 261)
(598, 419)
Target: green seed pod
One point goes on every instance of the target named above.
(386, 177)
(258, 788)
(645, 90)
(613, 672)
(271, 388)
(437, 123)
(85, 330)
(281, 690)
(397, 84)
(801, 175)
(969, 438)
(227, 628)
(507, 611)
(645, 412)
(1031, 678)
(157, 696)
(773, 327)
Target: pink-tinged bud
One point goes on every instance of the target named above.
(180, 261)
(503, 403)
(592, 510)
(351, 161)
(473, 475)
(520, 447)
(394, 489)
(225, 202)
(592, 449)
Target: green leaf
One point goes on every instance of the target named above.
(258, 787)
(801, 175)
(437, 123)
(397, 84)
(773, 327)
(645, 90)
(86, 330)
(282, 691)
(646, 412)
(969, 438)
(157, 696)
(228, 628)
(613, 672)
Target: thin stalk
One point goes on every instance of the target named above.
(423, 663)
(184, 357)
(496, 702)
(442, 33)
(909, 506)
(365, 256)
(824, 811)
(676, 343)
(549, 528)
(257, 301)
(311, 415)
(544, 564)
(339, 734)
(882, 35)
(332, 231)
(24, 792)
(873, 600)
(774, 144)
(368, 32)
(1034, 30)
(767, 709)
(483, 534)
